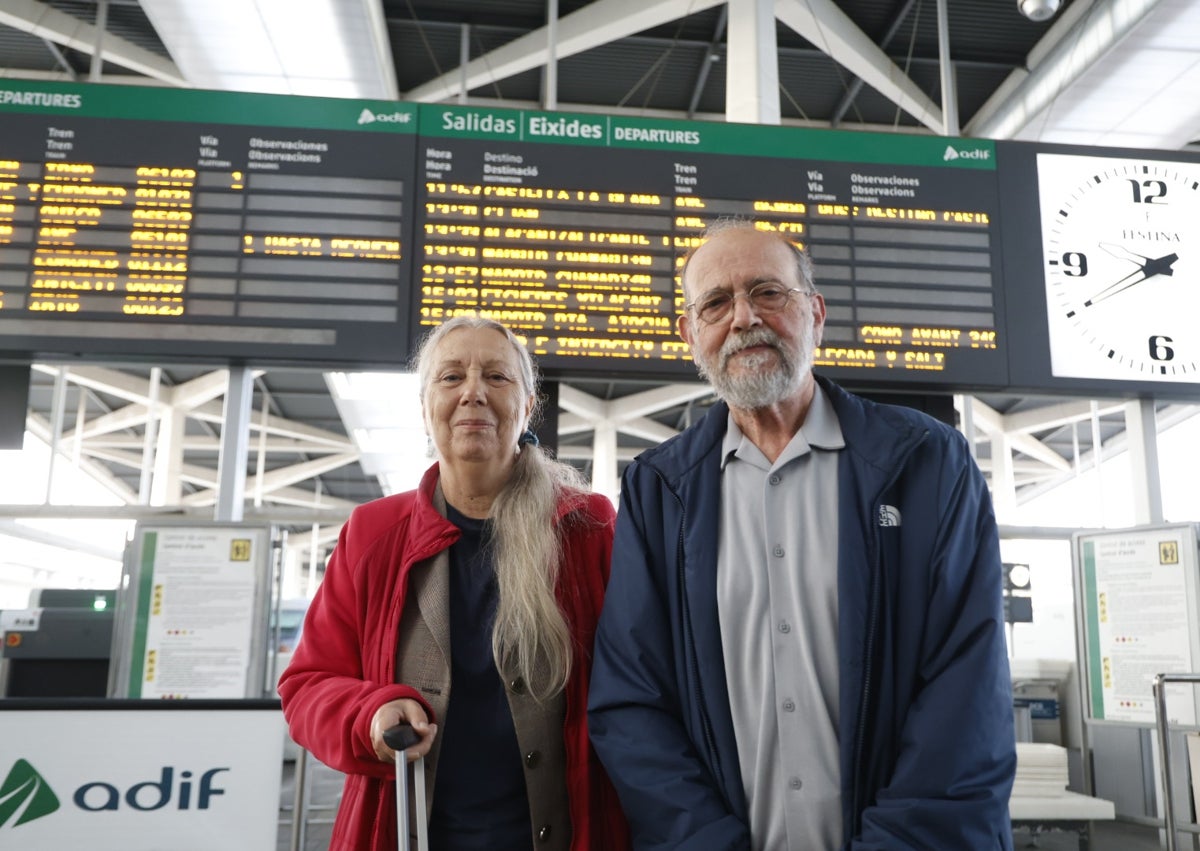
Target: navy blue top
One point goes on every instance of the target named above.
(479, 800)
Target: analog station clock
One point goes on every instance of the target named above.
(1121, 242)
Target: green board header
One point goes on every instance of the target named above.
(587, 129)
(609, 131)
(198, 106)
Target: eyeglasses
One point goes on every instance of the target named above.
(714, 306)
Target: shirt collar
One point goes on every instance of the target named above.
(819, 431)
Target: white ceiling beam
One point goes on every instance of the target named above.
(593, 25)
(13, 529)
(277, 490)
(1173, 415)
(131, 388)
(283, 496)
(204, 388)
(1079, 39)
(293, 473)
(303, 540)
(575, 401)
(130, 416)
(642, 427)
(64, 77)
(649, 402)
(335, 48)
(991, 421)
(39, 427)
(1058, 415)
(574, 423)
(830, 30)
(193, 473)
(201, 443)
(647, 429)
(1024, 468)
(44, 21)
(213, 412)
(585, 453)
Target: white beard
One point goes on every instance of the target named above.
(761, 384)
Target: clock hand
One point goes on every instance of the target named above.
(1157, 266)
(1123, 253)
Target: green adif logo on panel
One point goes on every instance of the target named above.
(25, 794)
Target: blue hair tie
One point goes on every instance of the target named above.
(528, 437)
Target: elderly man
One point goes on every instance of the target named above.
(802, 645)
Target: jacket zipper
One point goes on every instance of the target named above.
(869, 647)
(710, 739)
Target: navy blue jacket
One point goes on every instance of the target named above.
(926, 730)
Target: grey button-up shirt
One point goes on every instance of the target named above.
(778, 608)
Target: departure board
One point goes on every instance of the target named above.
(570, 229)
(159, 223)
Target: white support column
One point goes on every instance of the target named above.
(166, 487)
(604, 460)
(260, 469)
(58, 403)
(94, 71)
(291, 571)
(949, 85)
(1142, 431)
(314, 545)
(464, 59)
(235, 444)
(80, 421)
(1098, 457)
(550, 77)
(752, 72)
(966, 422)
(1004, 482)
(148, 443)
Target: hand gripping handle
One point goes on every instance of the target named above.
(400, 738)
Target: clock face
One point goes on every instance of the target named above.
(1121, 240)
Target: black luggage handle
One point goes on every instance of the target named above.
(400, 738)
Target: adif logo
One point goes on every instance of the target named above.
(965, 153)
(26, 795)
(368, 117)
(889, 515)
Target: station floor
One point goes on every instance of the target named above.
(325, 787)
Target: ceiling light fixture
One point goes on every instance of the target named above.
(1038, 10)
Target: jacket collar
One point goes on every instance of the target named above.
(877, 435)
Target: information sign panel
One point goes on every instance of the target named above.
(194, 618)
(1139, 594)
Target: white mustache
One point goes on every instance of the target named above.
(745, 339)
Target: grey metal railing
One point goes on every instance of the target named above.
(1161, 725)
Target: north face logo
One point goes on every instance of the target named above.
(889, 515)
(26, 795)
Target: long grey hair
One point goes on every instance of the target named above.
(529, 623)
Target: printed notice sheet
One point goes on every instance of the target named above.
(196, 612)
(1140, 601)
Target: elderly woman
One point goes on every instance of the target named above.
(465, 608)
